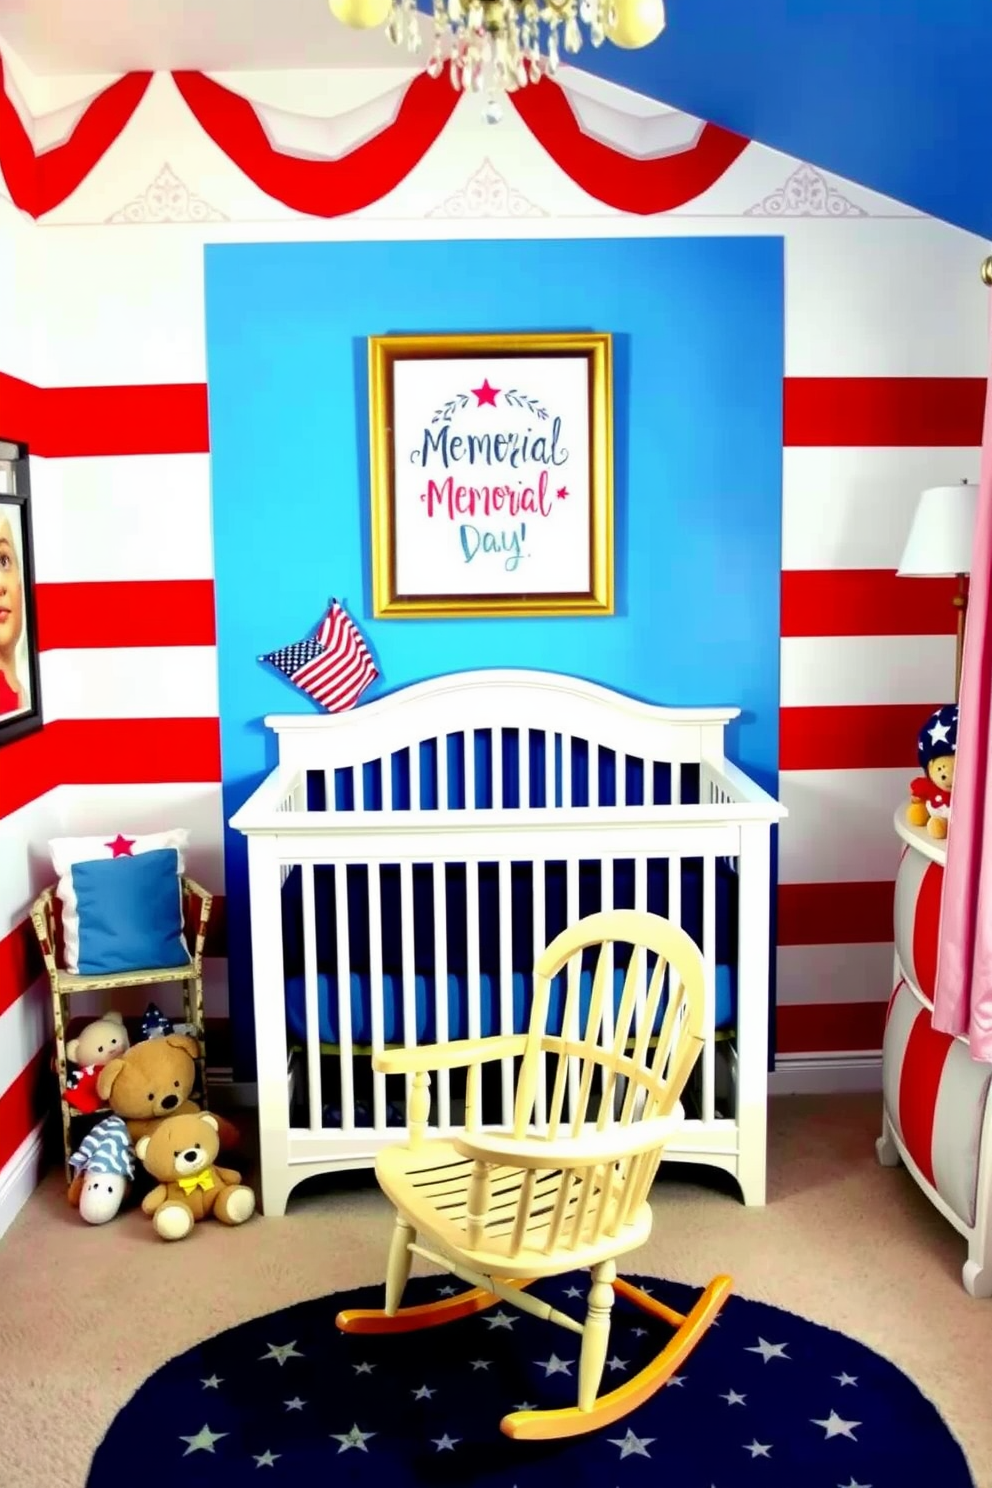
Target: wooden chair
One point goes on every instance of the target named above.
(499, 1209)
(46, 918)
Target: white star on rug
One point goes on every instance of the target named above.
(446, 1443)
(500, 1319)
(677, 1379)
(211, 1383)
(281, 1352)
(525, 1405)
(267, 1459)
(846, 1379)
(363, 1368)
(573, 1291)
(768, 1350)
(616, 1363)
(446, 1291)
(554, 1365)
(480, 1363)
(353, 1438)
(203, 1441)
(732, 1398)
(758, 1449)
(835, 1426)
(631, 1445)
(643, 1332)
(853, 1484)
(424, 1393)
(295, 1404)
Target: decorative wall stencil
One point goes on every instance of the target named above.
(805, 194)
(487, 194)
(168, 199)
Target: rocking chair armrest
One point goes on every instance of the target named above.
(426, 1058)
(506, 1150)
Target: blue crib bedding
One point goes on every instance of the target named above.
(522, 940)
(426, 1020)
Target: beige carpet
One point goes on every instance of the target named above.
(83, 1317)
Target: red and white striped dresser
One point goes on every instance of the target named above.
(937, 1114)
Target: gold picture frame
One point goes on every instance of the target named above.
(518, 483)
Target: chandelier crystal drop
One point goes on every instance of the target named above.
(498, 46)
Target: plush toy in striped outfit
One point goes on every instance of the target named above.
(104, 1168)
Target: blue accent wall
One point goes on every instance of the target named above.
(698, 366)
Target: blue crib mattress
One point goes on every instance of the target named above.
(424, 985)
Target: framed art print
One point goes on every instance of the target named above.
(20, 690)
(491, 474)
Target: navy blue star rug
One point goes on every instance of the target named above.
(766, 1399)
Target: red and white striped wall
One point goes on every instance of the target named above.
(885, 363)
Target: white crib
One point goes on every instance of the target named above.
(408, 859)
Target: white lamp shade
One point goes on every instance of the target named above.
(940, 539)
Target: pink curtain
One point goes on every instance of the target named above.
(963, 994)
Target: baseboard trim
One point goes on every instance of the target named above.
(20, 1177)
(825, 1074)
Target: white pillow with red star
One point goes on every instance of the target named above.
(68, 853)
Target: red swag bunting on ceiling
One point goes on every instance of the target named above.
(321, 188)
(38, 183)
(619, 180)
(331, 188)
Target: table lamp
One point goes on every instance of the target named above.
(939, 546)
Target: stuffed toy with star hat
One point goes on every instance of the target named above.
(930, 794)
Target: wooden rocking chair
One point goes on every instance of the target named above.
(499, 1209)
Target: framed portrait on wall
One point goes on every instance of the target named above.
(20, 687)
(491, 461)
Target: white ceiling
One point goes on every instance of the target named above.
(112, 36)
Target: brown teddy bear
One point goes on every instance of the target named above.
(181, 1153)
(930, 794)
(154, 1080)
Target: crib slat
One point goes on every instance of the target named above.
(676, 791)
(497, 769)
(566, 772)
(473, 936)
(523, 772)
(347, 1060)
(408, 968)
(442, 772)
(415, 777)
(709, 960)
(316, 1103)
(549, 767)
(440, 897)
(506, 981)
(641, 903)
(607, 878)
(538, 870)
(468, 738)
(386, 779)
(377, 991)
(574, 968)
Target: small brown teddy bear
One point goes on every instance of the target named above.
(930, 794)
(154, 1079)
(181, 1153)
(151, 1081)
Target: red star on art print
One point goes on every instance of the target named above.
(562, 492)
(121, 846)
(485, 395)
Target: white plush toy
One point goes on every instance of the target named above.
(104, 1169)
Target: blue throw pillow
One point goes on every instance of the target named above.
(130, 913)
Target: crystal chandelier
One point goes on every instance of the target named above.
(497, 46)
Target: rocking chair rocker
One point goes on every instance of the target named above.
(500, 1209)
